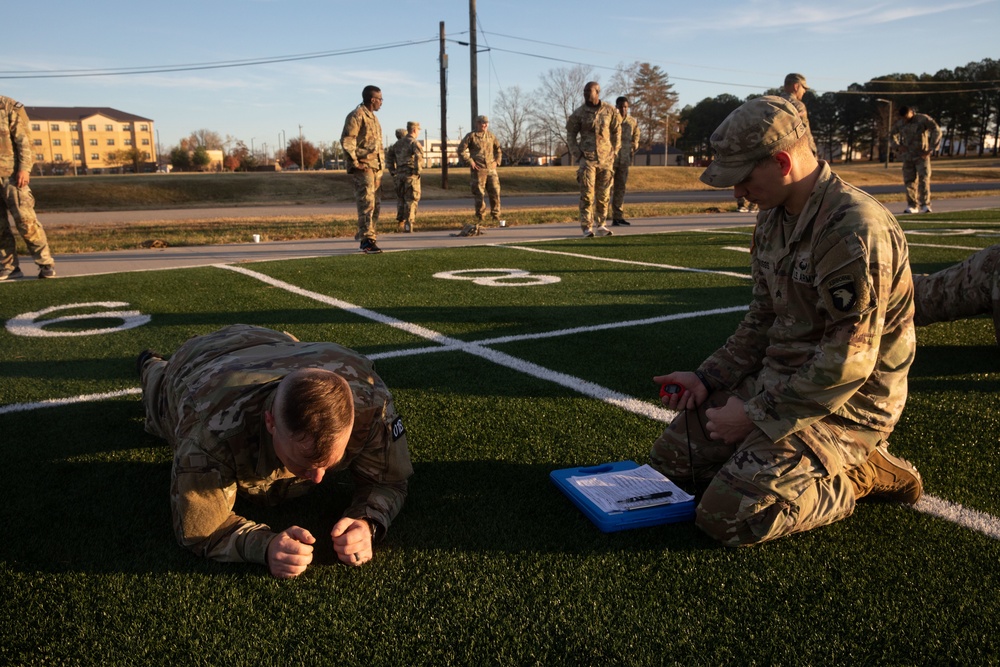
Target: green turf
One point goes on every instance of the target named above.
(487, 563)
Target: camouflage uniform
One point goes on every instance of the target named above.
(409, 158)
(483, 149)
(208, 401)
(629, 145)
(913, 137)
(15, 157)
(803, 114)
(820, 360)
(599, 128)
(399, 184)
(362, 142)
(970, 288)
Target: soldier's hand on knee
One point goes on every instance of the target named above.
(290, 552)
(730, 423)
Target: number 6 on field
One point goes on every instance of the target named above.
(507, 277)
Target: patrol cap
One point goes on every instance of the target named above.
(756, 130)
(793, 78)
(482, 119)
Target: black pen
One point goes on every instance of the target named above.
(651, 496)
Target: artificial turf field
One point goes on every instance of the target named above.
(499, 382)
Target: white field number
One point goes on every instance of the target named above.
(499, 277)
(33, 324)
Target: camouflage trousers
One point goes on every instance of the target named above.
(408, 194)
(368, 194)
(967, 289)
(595, 193)
(917, 177)
(486, 182)
(399, 186)
(759, 490)
(618, 186)
(20, 203)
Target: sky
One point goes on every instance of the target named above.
(323, 52)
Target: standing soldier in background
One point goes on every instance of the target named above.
(794, 90)
(482, 151)
(390, 164)
(599, 127)
(15, 173)
(916, 136)
(409, 157)
(628, 147)
(362, 144)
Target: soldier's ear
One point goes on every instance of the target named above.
(269, 421)
(784, 161)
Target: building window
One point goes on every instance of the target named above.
(109, 128)
(96, 157)
(57, 157)
(92, 128)
(39, 157)
(73, 127)
(93, 142)
(35, 127)
(37, 142)
(128, 142)
(57, 142)
(126, 128)
(77, 156)
(111, 142)
(76, 142)
(54, 127)
(144, 127)
(145, 142)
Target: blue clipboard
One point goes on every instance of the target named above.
(615, 521)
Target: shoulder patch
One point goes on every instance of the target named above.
(397, 428)
(843, 292)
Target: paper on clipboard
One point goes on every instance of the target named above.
(624, 490)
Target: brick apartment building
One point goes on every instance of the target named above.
(78, 139)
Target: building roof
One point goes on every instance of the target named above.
(79, 113)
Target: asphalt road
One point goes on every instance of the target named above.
(56, 219)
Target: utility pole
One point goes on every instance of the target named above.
(444, 112)
(473, 64)
(302, 152)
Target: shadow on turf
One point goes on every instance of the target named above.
(97, 517)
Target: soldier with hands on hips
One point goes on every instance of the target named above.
(361, 140)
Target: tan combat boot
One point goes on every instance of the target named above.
(888, 477)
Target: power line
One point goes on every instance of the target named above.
(160, 69)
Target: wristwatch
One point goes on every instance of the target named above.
(375, 527)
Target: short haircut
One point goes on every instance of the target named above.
(903, 110)
(591, 84)
(411, 124)
(317, 404)
(366, 94)
(620, 101)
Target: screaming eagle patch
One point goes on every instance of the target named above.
(843, 293)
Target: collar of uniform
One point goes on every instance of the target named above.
(267, 460)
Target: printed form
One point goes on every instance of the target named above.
(626, 490)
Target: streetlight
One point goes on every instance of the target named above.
(888, 129)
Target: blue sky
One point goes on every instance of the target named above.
(706, 48)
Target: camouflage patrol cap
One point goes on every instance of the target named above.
(482, 119)
(756, 130)
(793, 78)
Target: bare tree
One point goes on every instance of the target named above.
(560, 93)
(512, 123)
(622, 82)
(210, 140)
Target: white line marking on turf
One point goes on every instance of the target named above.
(744, 276)
(730, 247)
(56, 402)
(981, 522)
(584, 387)
(946, 247)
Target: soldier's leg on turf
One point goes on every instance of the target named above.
(21, 204)
(479, 192)
(618, 191)
(493, 190)
(924, 181)
(967, 289)
(8, 242)
(364, 194)
(602, 195)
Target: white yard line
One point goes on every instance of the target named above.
(56, 402)
(732, 274)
